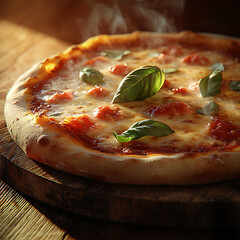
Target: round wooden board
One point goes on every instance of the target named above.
(205, 206)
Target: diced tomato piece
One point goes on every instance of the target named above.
(183, 91)
(196, 59)
(108, 113)
(169, 109)
(95, 60)
(224, 131)
(63, 95)
(174, 51)
(120, 69)
(79, 124)
(98, 92)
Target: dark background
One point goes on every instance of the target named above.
(75, 20)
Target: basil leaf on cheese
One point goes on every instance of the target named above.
(91, 76)
(211, 108)
(217, 66)
(139, 84)
(170, 70)
(211, 84)
(235, 85)
(143, 128)
(115, 54)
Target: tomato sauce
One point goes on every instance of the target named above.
(98, 92)
(169, 109)
(108, 113)
(120, 69)
(196, 59)
(181, 90)
(80, 124)
(166, 84)
(224, 131)
(58, 96)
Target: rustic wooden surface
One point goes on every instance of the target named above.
(23, 218)
(27, 36)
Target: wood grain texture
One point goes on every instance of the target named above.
(23, 218)
(16, 213)
(213, 205)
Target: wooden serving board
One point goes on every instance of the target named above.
(205, 206)
(212, 205)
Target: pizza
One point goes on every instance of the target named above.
(138, 108)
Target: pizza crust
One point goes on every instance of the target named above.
(49, 146)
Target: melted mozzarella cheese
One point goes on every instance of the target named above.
(191, 129)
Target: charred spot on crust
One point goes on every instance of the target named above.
(43, 140)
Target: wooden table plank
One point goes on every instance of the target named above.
(22, 220)
(21, 47)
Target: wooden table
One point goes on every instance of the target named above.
(29, 33)
(25, 218)
(22, 217)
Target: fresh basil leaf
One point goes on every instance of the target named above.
(115, 54)
(210, 108)
(235, 85)
(217, 66)
(143, 128)
(170, 70)
(211, 84)
(139, 84)
(91, 76)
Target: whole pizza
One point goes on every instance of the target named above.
(139, 108)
